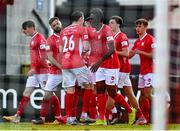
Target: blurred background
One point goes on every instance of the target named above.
(14, 52)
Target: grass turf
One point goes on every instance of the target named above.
(30, 126)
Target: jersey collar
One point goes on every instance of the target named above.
(100, 28)
(117, 34)
(56, 35)
(143, 36)
(34, 35)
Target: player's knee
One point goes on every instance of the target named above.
(48, 95)
(27, 92)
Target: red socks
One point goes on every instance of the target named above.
(121, 101)
(101, 103)
(108, 112)
(145, 107)
(69, 99)
(139, 113)
(86, 100)
(22, 105)
(44, 108)
(92, 107)
(56, 105)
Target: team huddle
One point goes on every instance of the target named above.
(94, 56)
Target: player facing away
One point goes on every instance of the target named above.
(143, 46)
(122, 48)
(106, 68)
(38, 71)
(74, 43)
(54, 75)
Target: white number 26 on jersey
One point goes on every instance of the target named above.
(69, 44)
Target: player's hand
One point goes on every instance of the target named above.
(137, 51)
(31, 72)
(95, 66)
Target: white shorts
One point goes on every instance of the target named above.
(36, 80)
(53, 81)
(71, 76)
(110, 76)
(92, 77)
(145, 80)
(124, 80)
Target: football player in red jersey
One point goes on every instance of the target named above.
(143, 46)
(106, 67)
(122, 47)
(38, 71)
(54, 75)
(75, 41)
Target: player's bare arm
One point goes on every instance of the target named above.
(52, 60)
(31, 72)
(123, 53)
(146, 54)
(61, 52)
(111, 50)
(86, 47)
(131, 54)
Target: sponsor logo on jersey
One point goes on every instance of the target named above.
(85, 37)
(43, 46)
(47, 47)
(109, 38)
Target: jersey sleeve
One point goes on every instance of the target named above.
(49, 44)
(124, 42)
(109, 35)
(85, 36)
(42, 46)
(153, 44)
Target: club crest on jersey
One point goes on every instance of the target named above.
(32, 43)
(142, 44)
(99, 37)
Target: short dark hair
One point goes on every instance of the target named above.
(99, 13)
(28, 23)
(76, 15)
(118, 20)
(141, 21)
(53, 19)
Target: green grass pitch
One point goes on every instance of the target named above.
(29, 126)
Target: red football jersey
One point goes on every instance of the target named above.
(53, 43)
(121, 41)
(72, 37)
(38, 53)
(103, 37)
(145, 44)
(96, 47)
